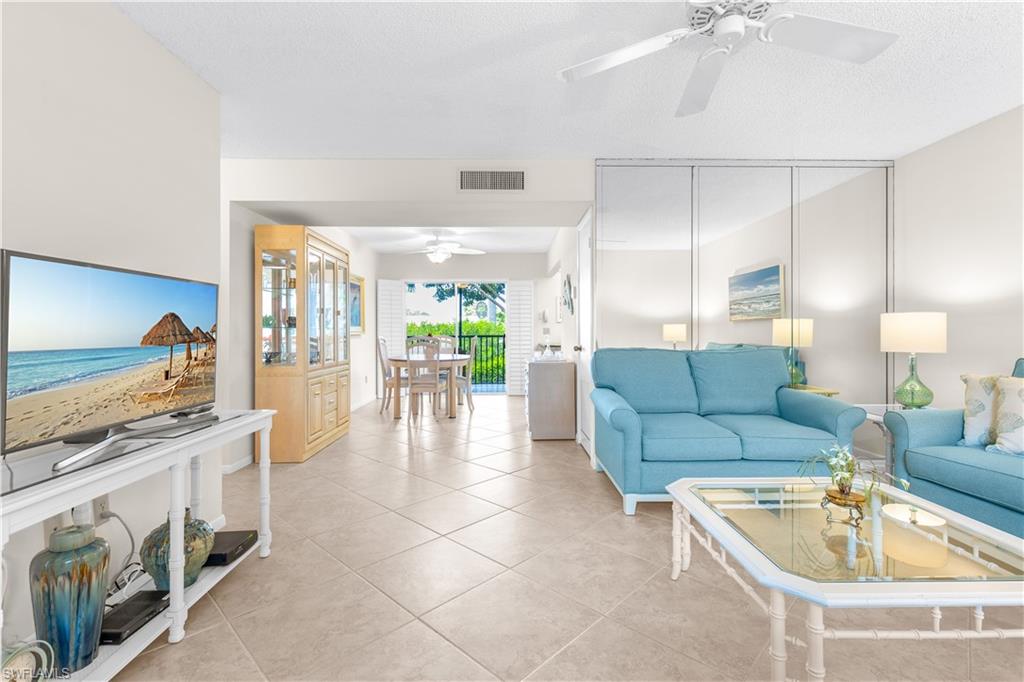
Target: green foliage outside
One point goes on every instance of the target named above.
(490, 356)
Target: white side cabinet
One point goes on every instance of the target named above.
(551, 400)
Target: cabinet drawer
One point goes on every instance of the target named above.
(330, 421)
(331, 384)
(330, 402)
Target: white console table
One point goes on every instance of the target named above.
(21, 509)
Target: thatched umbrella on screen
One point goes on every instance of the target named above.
(169, 331)
(201, 337)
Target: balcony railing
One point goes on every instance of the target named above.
(489, 364)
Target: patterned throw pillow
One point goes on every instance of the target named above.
(979, 409)
(1009, 416)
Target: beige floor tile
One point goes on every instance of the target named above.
(449, 512)
(609, 651)
(428, 575)
(423, 461)
(310, 635)
(389, 450)
(258, 582)
(644, 536)
(217, 655)
(369, 475)
(510, 624)
(203, 615)
(694, 618)
(243, 514)
(508, 462)
(471, 450)
(508, 491)
(661, 510)
(325, 506)
(509, 537)
(413, 652)
(460, 475)
(578, 511)
(366, 542)
(403, 492)
(507, 440)
(589, 572)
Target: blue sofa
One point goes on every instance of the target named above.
(987, 486)
(662, 415)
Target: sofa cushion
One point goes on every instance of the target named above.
(650, 379)
(994, 476)
(684, 436)
(765, 436)
(739, 381)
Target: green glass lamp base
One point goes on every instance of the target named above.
(795, 375)
(912, 393)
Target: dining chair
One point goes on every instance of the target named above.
(424, 378)
(393, 380)
(464, 382)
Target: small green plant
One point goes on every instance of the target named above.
(844, 469)
(269, 321)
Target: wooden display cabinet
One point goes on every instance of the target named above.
(302, 339)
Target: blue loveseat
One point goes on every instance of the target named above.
(987, 486)
(662, 415)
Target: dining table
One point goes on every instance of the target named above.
(447, 361)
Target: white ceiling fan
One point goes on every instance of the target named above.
(438, 250)
(725, 23)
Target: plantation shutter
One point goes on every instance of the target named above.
(519, 335)
(390, 317)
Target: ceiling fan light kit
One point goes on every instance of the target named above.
(726, 24)
(438, 251)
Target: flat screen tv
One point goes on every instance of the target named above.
(86, 348)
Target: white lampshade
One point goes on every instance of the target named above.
(673, 332)
(913, 333)
(798, 332)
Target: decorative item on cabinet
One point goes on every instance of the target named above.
(69, 589)
(156, 547)
(302, 365)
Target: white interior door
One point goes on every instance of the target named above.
(584, 332)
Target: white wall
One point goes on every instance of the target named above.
(236, 387)
(560, 261)
(364, 351)
(959, 249)
(491, 266)
(110, 155)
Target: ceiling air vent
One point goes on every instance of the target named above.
(490, 180)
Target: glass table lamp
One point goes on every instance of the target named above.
(676, 333)
(793, 334)
(913, 333)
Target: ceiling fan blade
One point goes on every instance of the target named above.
(468, 252)
(703, 81)
(827, 38)
(622, 55)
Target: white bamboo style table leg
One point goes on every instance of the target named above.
(777, 639)
(176, 560)
(195, 486)
(265, 534)
(680, 539)
(452, 390)
(815, 642)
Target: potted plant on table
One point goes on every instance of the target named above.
(844, 469)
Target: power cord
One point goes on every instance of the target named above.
(130, 570)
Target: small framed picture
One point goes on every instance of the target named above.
(356, 305)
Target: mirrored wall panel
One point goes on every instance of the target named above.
(643, 277)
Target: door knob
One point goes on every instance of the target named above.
(577, 348)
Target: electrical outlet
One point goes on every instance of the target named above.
(100, 505)
(51, 524)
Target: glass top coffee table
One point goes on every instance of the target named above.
(905, 552)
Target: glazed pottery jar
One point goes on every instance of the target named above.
(157, 546)
(69, 589)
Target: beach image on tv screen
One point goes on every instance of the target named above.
(90, 347)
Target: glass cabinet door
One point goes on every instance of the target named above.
(315, 305)
(342, 285)
(330, 268)
(279, 335)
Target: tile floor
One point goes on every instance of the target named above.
(460, 550)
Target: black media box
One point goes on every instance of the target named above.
(228, 545)
(125, 619)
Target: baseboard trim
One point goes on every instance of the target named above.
(232, 467)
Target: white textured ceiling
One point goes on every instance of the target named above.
(476, 80)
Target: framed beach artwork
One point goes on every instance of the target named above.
(756, 295)
(356, 305)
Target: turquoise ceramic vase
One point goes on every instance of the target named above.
(69, 589)
(157, 546)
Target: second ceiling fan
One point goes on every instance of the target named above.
(725, 23)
